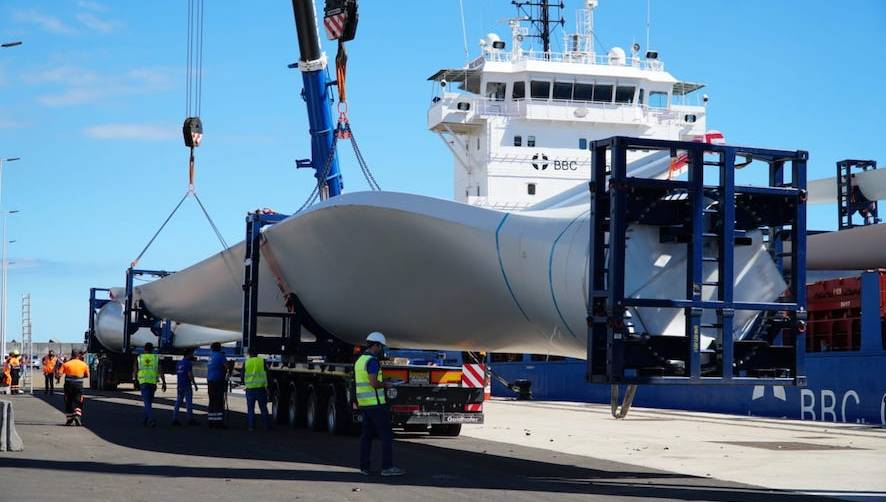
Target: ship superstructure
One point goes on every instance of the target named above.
(518, 122)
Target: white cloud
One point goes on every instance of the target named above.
(12, 124)
(95, 23)
(90, 5)
(78, 86)
(46, 22)
(144, 132)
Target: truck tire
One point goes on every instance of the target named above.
(315, 411)
(295, 410)
(338, 416)
(451, 430)
(279, 404)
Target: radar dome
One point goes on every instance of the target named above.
(616, 55)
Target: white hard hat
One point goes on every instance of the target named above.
(376, 337)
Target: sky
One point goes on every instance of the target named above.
(93, 101)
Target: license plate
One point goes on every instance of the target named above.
(420, 377)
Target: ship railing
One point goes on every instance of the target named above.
(555, 109)
(498, 56)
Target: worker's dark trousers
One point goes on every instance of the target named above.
(16, 374)
(259, 396)
(48, 384)
(376, 423)
(148, 390)
(184, 395)
(216, 414)
(73, 400)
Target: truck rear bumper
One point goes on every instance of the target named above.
(436, 418)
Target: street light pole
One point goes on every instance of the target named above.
(5, 274)
(5, 264)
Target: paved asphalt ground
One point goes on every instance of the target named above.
(113, 458)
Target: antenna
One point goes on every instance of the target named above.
(464, 31)
(648, 22)
(543, 16)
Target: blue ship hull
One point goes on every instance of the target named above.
(842, 387)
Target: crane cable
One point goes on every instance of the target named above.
(192, 130)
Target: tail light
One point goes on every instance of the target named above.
(405, 408)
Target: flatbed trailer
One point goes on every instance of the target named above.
(321, 396)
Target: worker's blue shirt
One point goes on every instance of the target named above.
(372, 366)
(182, 369)
(216, 369)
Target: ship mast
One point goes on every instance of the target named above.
(544, 16)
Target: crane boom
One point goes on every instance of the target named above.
(312, 64)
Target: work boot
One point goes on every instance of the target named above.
(393, 471)
(193, 421)
(365, 472)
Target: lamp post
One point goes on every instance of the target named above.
(5, 273)
(5, 264)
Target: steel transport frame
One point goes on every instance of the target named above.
(616, 356)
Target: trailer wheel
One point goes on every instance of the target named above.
(296, 410)
(451, 430)
(338, 417)
(102, 380)
(279, 404)
(315, 410)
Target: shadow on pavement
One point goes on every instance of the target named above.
(458, 463)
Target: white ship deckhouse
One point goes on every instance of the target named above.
(518, 122)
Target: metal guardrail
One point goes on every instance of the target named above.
(497, 56)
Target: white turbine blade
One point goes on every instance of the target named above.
(872, 184)
(432, 273)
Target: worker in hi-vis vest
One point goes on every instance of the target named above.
(370, 388)
(76, 371)
(147, 368)
(49, 372)
(15, 370)
(255, 379)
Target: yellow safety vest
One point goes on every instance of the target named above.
(367, 395)
(254, 374)
(147, 369)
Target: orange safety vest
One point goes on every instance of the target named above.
(6, 375)
(49, 365)
(15, 362)
(75, 369)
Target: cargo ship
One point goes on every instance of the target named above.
(519, 119)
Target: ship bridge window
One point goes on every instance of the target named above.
(530, 141)
(583, 92)
(518, 140)
(603, 93)
(658, 99)
(624, 94)
(496, 90)
(540, 89)
(563, 91)
(519, 91)
(582, 143)
(530, 189)
(640, 99)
